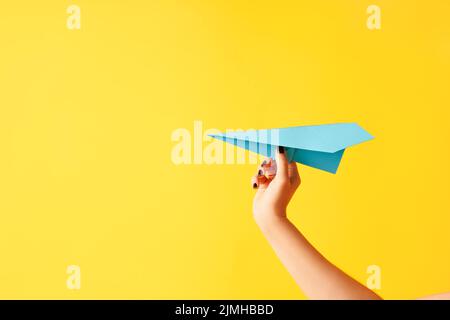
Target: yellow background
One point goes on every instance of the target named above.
(86, 116)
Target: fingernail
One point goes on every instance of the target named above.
(263, 163)
(255, 186)
(260, 172)
(280, 149)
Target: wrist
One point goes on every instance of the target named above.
(270, 221)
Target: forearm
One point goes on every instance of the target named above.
(439, 296)
(316, 276)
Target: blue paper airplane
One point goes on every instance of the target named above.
(320, 146)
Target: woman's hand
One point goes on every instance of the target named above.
(276, 182)
(318, 278)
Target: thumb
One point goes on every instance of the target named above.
(282, 164)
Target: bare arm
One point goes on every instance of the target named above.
(316, 276)
(440, 296)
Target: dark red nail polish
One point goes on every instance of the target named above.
(260, 172)
(255, 186)
(280, 149)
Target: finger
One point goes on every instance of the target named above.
(263, 182)
(266, 168)
(282, 164)
(255, 182)
(266, 163)
(294, 176)
(268, 171)
(261, 177)
(259, 181)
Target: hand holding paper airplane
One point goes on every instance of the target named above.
(317, 146)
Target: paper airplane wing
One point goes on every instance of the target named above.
(320, 146)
